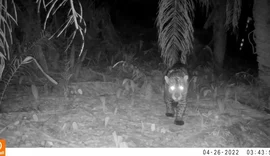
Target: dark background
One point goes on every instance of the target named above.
(142, 13)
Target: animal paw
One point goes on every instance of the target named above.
(169, 114)
(179, 122)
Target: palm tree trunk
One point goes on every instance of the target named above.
(219, 35)
(261, 11)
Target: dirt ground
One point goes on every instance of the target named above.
(106, 114)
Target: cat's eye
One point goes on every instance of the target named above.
(172, 88)
(181, 87)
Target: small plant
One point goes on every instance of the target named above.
(14, 69)
(66, 75)
(129, 86)
(245, 77)
(103, 101)
(35, 91)
(118, 140)
(130, 68)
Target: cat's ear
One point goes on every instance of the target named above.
(166, 79)
(186, 77)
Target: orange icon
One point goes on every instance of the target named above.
(2, 147)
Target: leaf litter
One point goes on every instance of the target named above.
(108, 114)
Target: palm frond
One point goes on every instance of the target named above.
(206, 4)
(6, 22)
(174, 22)
(233, 11)
(11, 73)
(74, 18)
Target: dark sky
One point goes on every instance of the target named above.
(139, 11)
